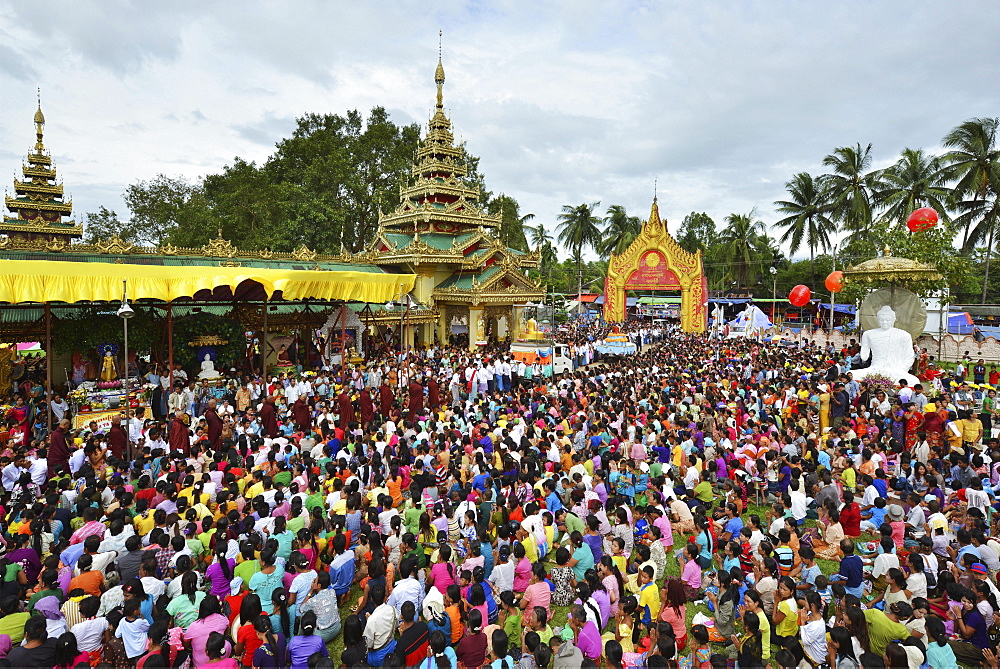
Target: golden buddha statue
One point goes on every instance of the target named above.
(531, 331)
(109, 371)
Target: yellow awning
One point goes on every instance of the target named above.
(64, 281)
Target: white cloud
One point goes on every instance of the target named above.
(565, 102)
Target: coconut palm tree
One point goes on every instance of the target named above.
(744, 243)
(621, 231)
(578, 229)
(539, 235)
(808, 217)
(916, 180)
(974, 164)
(849, 185)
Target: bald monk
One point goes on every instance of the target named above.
(303, 417)
(416, 404)
(346, 410)
(59, 449)
(214, 425)
(384, 400)
(178, 434)
(117, 438)
(269, 418)
(366, 406)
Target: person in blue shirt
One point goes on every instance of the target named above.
(552, 502)
(872, 519)
(733, 524)
(852, 570)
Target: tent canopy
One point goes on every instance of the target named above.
(51, 281)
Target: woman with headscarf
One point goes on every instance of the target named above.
(55, 621)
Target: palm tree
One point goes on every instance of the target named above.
(849, 185)
(916, 180)
(742, 242)
(579, 228)
(539, 235)
(807, 209)
(621, 231)
(974, 164)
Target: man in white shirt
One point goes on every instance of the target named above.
(13, 471)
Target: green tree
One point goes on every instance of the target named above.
(512, 223)
(102, 225)
(163, 206)
(579, 229)
(697, 231)
(747, 247)
(343, 170)
(621, 231)
(807, 216)
(916, 180)
(849, 184)
(974, 164)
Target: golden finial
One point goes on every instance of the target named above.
(654, 189)
(39, 117)
(439, 74)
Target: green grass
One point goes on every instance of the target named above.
(560, 614)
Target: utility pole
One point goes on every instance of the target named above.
(833, 295)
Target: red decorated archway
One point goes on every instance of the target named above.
(655, 261)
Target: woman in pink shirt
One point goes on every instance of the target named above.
(537, 593)
(210, 619)
(522, 568)
(443, 571)
(691, 572)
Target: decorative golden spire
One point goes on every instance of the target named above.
(38, 199)
(439, 75)
(39, 125)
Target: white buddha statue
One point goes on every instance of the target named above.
(890, 348)
(208, 369)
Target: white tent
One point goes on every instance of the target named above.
(750, 321)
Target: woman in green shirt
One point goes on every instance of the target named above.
(184, 607)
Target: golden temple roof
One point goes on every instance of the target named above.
(38, 200)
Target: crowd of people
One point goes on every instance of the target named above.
(701, 503)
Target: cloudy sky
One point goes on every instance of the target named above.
(565, 102)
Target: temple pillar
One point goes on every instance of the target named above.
(475, 313)
(427, 334)
(442, 327)
(514, 327)
(407, 341)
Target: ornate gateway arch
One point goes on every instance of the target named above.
(655, 261)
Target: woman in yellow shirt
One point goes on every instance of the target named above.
(786, 618)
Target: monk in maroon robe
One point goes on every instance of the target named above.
(384, 400)
(179, 435)
(346, 410)
(214, 425)
(117, 438)
(269, 418)
(58, 449)
(433, 394)
(366, 406)
(303, 417)
(416, 404)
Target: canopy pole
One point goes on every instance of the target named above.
(343, 342)
(263, 345)
(170, 348)
(48, 365)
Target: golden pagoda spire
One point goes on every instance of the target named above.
(38, 200)
(439, 75)
(39, 125)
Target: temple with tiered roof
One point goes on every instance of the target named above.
(442, 233)
(38, 200)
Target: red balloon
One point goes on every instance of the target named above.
(835, 282)
(924, 218)
(800, 295)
